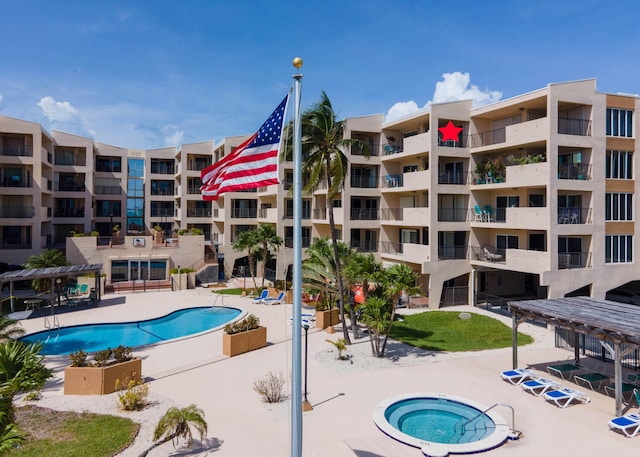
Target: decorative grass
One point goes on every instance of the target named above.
(445, 331)
(68, 434)
(229, 291)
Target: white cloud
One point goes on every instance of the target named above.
(454, 86)
(0, 99)
(58, 111)
(172, 136)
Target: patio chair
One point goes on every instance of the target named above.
(491, 256)
(488, 213)
(260, 299)
(68, 301)
(564, 396)
(84, 289)
(628, 387)
(629, 424)
(564, 370)
(479, 215)
(279, 300)
(539, 386)
(517, 376)
(591, 378)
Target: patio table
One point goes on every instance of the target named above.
(33, 303)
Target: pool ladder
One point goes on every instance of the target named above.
(55, 324)
(513, 435)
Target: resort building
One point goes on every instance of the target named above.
(529, 197)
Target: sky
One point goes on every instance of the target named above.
(149, 74)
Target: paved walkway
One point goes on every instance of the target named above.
(343, 393)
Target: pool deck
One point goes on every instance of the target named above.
(343, 393)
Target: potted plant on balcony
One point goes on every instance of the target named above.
(481, 172)
(158, 235)
(99, 377)
(116, 230)
(243, 336)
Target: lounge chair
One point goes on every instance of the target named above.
(596, 377)
(564, 370)
(84, 289)
(629, 424)
(491, 256)
(539, 386)
(279, 300)
(517, 376)
(68, 301)
(260, 299)
(628, 387)
(563, 397)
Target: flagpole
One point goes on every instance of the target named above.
(296, 355)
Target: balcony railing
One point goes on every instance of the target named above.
(358, 150)
(461, 143)
(579, 171)
(192, 190)
(393, 147)
(65, 187)
(392, 181)
(16, 181)
(388, 247)
(162, 169)
(69, 212)
(18, 244)
(452, 252)
(320, 213)
(568, 260)
(368, 214)
(17, 150)
(364, 182)
(574, 216)
(488, 138)
(196, 165)
(580, 127)
(162, 191)
(107, 190)
(452, 214)
(306, 213)
(16, 211)
(306, 242)
(244, 213)
(162, 212)
(365, 246)
(452, 177)
(488, 254)
(198, 212)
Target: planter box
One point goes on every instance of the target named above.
(322, 318)
(100, 380)
(239, 343)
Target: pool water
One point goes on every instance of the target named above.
(439, 420)
(95, 337)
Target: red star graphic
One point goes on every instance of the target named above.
(450, 132)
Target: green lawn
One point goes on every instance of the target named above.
(67, 434)
(229, 291)
(445, 331)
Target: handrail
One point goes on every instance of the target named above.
(513, 416)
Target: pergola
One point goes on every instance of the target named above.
(610, 322)
(51, 273)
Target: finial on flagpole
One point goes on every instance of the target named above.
(297, 62)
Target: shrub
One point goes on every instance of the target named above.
(341, 346)
(157, 228)
(122, 354)
(133, 397)
(101, 358)
(270, 387)
(248, 323)
(78, 358)
(281, 284)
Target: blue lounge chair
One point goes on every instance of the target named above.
(261, 298)
(629, 424)
(279, 300)
(539, 386)
(563, 397)
(517, 376)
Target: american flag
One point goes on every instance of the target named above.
(252, 164)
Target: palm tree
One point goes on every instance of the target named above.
(22, 367)
(176, 424)
(10, 329)
(247, 241)
(322, 149)
(395, 280)
(361, 269)
(376, 314)
(268, 239)
(46, 259)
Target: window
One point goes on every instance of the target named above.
(109, 164)
(409, 236)
(107, 208)
(619, 122)
(135, 187)
(136, 168)
(618, 207)
(618, 249)
(619, 165)
(506, 242)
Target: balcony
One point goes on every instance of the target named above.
(162, 168)
(244, 213)
(17, 150)
(69, 187)
(364, 182)
(365, 214)
(320, 213)
(533, 130)
(364, 246)
(574, 216)
(568, 260)
(198, 212)
(452, 214)
(306, 242)
(579, 171)
(162, 212)
(453, 177)
(16, 181)
(164, 192)
(107, 190)
(69, 212)
(452, 252)
(408, 252)
(569, 126)
(358, 150)
(197, 165)
(16, 212)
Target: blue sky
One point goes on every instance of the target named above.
(148, 74)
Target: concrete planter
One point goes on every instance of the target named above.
(239, 343)
(100, 380)
(327, 318)
(191, 280)
(179, 281)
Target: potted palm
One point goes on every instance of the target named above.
(326, 315)
(243, 336)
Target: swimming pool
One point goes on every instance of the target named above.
(95, 337)
(441, 424)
